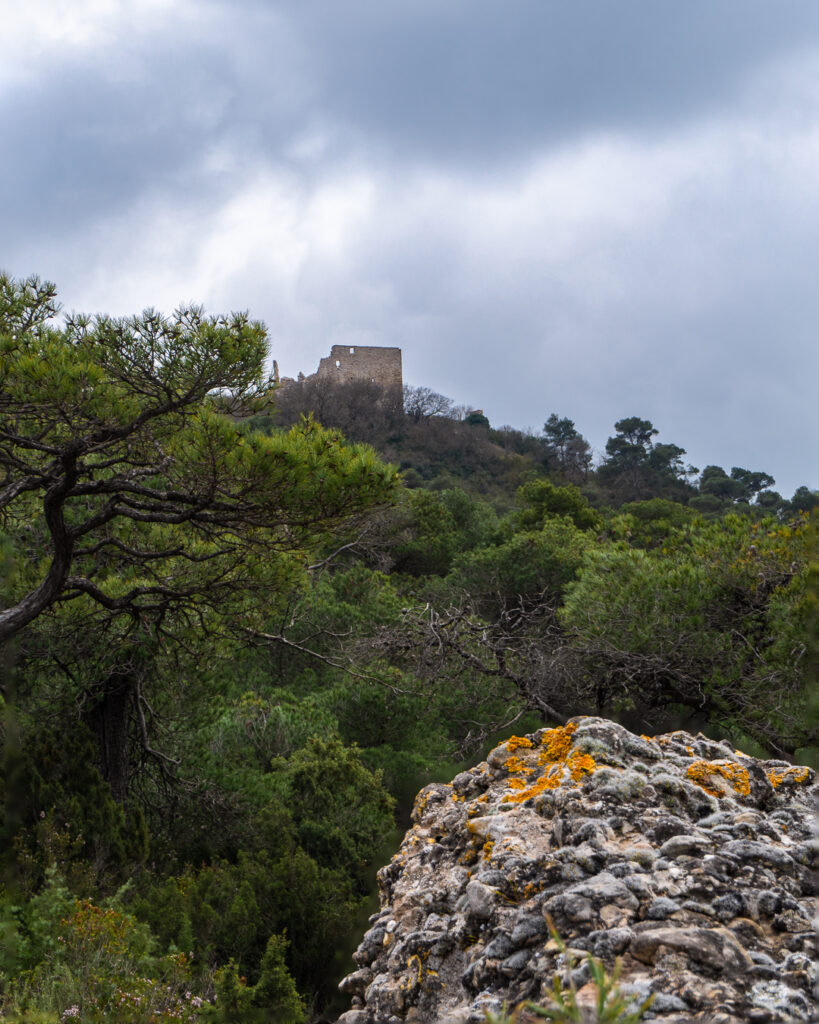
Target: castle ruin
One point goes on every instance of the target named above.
(371, 363)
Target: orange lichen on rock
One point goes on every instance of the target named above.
(795, 773)
(475, 807)
(556, 743)
(549, 780)
(580, 765)
(706, 774)
(516, 742)
(514, 765)
(561, 763)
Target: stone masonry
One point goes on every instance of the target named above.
(379, 365)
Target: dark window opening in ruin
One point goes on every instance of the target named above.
(338, 362)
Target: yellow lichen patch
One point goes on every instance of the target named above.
(419, 808)
(532, 889)
(515, 764)
(550, 780)
(562, 765)
(415, 970)
(556, 743)
(475, 808)
(487, 848)
(580, 765)
(516, 742)
(707, 774)
(795, 773)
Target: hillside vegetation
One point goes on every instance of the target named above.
(235, 643)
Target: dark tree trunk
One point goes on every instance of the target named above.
(110, 720)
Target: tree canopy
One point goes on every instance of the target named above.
(138, 492)
(638, 467)
(140, 516)
(567, 448)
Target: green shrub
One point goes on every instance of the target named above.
(94, 964)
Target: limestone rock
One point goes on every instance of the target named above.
(690, 861)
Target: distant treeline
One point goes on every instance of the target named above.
(438, 444)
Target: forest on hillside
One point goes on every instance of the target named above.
(240, 628)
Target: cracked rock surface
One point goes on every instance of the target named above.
(691, 862)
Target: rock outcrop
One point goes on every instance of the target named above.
(688, 860)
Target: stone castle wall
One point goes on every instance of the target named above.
(372, 363)
(363, 362)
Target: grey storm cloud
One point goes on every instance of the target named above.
(485, 80)
(594, 208)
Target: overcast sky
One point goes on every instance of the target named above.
(595, 208)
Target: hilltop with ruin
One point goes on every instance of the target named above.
(371, 363)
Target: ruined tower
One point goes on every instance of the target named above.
(381, 366)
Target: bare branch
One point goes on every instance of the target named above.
(277, 638)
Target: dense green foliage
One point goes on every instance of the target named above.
(235, 647)
(713, 621)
